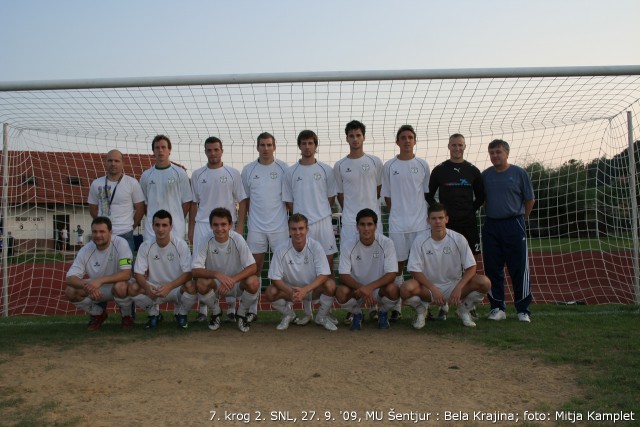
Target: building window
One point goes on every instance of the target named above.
(75, 180)
(30, 180)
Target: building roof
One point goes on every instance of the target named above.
(61, 177)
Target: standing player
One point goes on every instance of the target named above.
(310, 189)
(404, 183)
(215, 186)
(163, 273)
(509, 201)
(443, 270)
(118, 197)
(459, 187)
(100, 273)
(224, 265)
(367, 271)
(299, 271)
(267, 224)
(358, 181)
(165, 186)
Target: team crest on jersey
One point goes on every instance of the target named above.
(306, 259)
(171, 256)
(223, 179)
(365, 167)
(110, 257)
(228, 251)
(274, 175)
(317, 176)
(414, 170)
(376, 254)
(171, 180)
(446, 250)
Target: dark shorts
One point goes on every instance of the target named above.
(470, 232)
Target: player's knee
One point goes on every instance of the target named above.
(484, 283)
(329, 287)
(271, 293)
(72, 294)
(120, 289)
(391, 291)
(408, 289)
(204, 285)
(252, 284)
(343, 294)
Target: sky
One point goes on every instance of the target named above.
(79, 39)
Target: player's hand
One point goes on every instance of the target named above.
(454, 298)
(299, 294)
(225, 283)
(438, 298)
(162, 291)
(365, 293)
(92, 289)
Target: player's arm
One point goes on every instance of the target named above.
(366, 291)
(138, 212)
(387, 201)
(193, 211)
(430, 197)
(243, 208)
(436, 295)
(349, 281)
(478, 192)
(331, 200)
(141, 280)
(528, 207)
(93, 210)
(456, 293)
(249, 270)
(378, 189)
(289, 207)
(341, 200)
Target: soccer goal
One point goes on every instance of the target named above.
(571, 128)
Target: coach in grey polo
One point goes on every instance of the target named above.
(509, 201)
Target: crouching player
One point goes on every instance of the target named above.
(163, 273)
(443, 270)
(368, 267)
(100, 273)
(225, 266)
(299, 271)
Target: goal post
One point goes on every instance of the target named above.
(571, 128)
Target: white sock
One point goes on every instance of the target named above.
(387, 304)
(187, 301)
(282, 306)
(246, 301)
(254, 306)
(325, 305)
(352, 306)
(231, 304)
(416, 303)
(86, 304)
(211, 301)
(124, 304)
(308, 307)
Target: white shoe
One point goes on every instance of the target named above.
(301, 321)
(284, 323)
(326, 323)
(332, 319)
(465, 316)
(419, 321)
(497, 314)
(524, 317)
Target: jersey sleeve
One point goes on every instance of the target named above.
(200, 256)
(331, 181)
(287, 188)
(390, 257)
(185, 188)
(344, 266)
(137, 195)
(239, 192)
(320, 259)
(415, 262)
(276, 271)
(78, 267)
(385, 191)
(338, 176)
(185, 256)
(92, 197)
(142, 259)
(125, 257)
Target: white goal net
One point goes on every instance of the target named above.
(568, 127)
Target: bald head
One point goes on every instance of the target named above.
(114, 165)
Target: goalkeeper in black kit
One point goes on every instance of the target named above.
(459, 187)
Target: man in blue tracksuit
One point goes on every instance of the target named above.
(509, 201)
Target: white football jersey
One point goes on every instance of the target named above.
(299, 268)
(367, 264)
(309, 188)
(163, 265)
(217, 188)
(406, 182)
(93, 263)
(358, 179)
(230, 257)
(263, 186)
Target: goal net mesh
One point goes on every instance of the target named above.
(570, 133)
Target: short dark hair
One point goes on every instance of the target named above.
(298, 217)
(367, 213)
(160, 138)
(162, 214)
(499, 143)
(306, 134)
(457, 135)
(436, 207)
(220, 213)
(354, 125)
(265, 135)
(102, 220)
(213, 139)
(405, 128)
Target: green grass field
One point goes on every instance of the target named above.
(602, 344)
